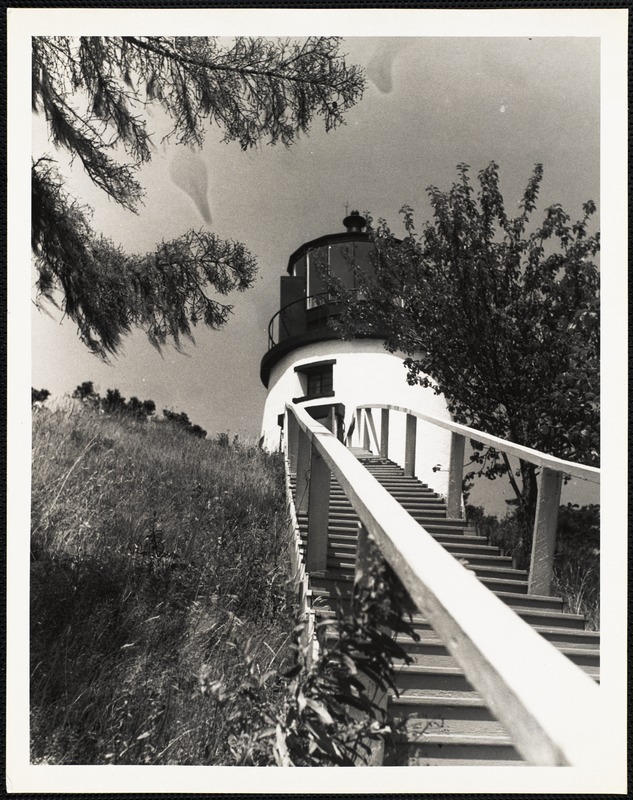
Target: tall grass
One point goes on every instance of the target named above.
(152, 552)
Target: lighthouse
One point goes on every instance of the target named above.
(308, 363)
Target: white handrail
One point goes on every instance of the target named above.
(299, 576)
(547, 704)
(517, 450)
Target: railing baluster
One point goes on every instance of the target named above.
(292, 440)
(362, 563)
(409, 447)
(544, 538)
(351, 429)
(331, 420)
(318, 513)
(372, 429)
(455, 477)
(366, 431)
(384, 432)
(303, 473)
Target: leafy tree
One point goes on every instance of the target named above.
(113, 402)
(86, 391)
(181, 419)
(499, 315)
(197, 430)
(140, 409)
(578, 537)
(39, 395)
(92, 91)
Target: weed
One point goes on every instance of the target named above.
(576, 573)
(325, 712)
(151, 552)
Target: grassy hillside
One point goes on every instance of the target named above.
(152, 553)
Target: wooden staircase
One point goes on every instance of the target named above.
(440, 719)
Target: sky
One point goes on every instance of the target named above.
(443, 87)
(430, 103)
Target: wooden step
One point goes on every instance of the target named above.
(326, 585)
(507, 573)
(570, 637)
(419, 506)
(430, 651)
(545, 618)
(514, 593)
(437, 749)
(459, 714)
(464, 550)
(454, 541)
(415, 679)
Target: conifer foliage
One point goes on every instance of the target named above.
(93, 92)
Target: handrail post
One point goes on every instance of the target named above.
(318, 513)
(455, 477)
(362, 563)
(331, 420)
(376, 693)
(359, 422)
(409, 447)
(372, 428)
(544, 537)
(292, 440)
(350, 431)
(303, 473)
(384, 432)
(366, 430)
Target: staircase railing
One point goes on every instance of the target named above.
(549, 707)
(299, 575)
(549, 490)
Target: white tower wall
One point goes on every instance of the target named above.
(365, 372)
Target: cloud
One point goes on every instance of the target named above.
(381, 65)
(188, 171)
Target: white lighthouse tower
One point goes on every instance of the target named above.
(308, 364)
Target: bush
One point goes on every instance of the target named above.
(330, 711)
(577, 559)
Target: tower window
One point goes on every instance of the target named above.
(320, 382)
(317, 380)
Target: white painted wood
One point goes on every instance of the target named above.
(318, 512)
(384, 432)
(372, 431)
(299, 577)
(362, 564)
(544, 536)
(409, 448)
(296, 562)
(365, 431)
(358, 428)
(291, 440)
(518, 450)
(364, 373)
(550, 708)
(455, 477)
(304, 447)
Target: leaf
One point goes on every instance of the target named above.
(320, 710)
(282, 755)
